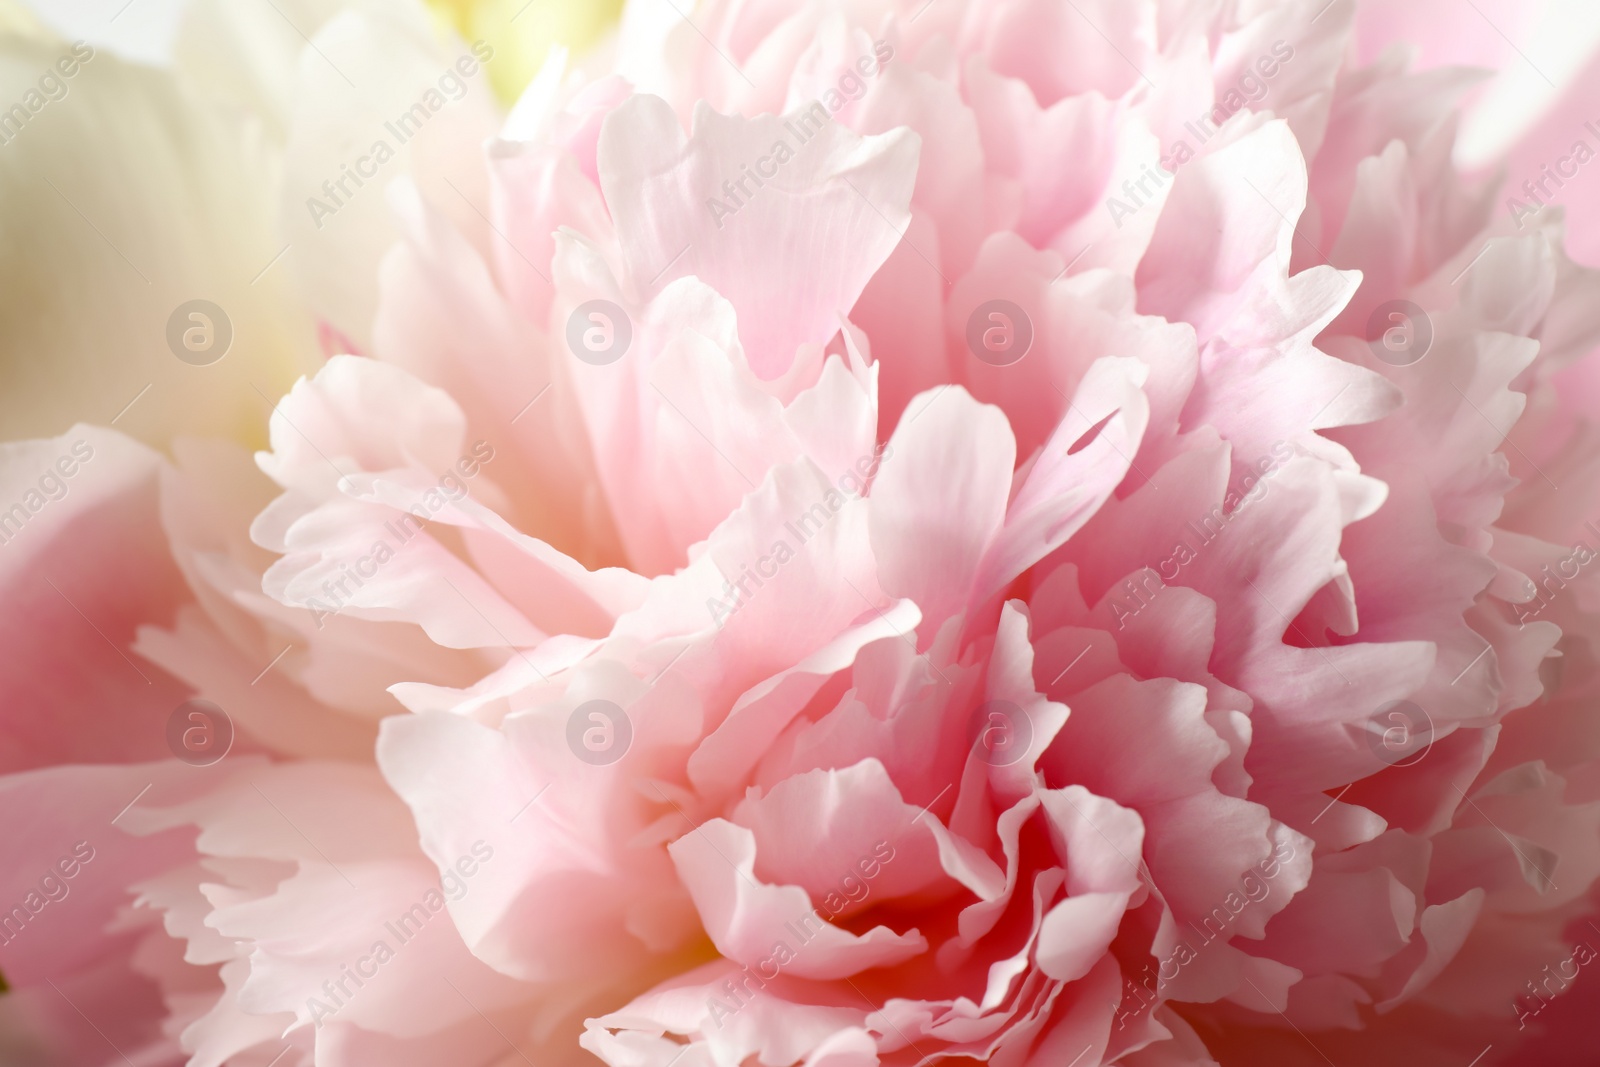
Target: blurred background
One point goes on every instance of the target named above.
(169, 167)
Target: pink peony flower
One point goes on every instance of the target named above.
(1025, 532)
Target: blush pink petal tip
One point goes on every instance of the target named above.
(1015, 532)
